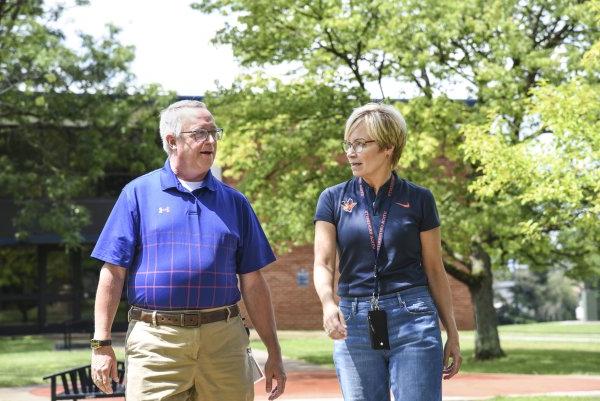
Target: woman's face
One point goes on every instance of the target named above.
(372, 161)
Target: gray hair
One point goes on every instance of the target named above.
(173, 117)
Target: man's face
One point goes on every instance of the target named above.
(193, 157)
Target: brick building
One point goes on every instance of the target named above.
(297, 306)
(290, 278)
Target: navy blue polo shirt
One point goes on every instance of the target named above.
(412, 210)
(182, 250)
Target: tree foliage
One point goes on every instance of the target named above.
(501, 50)
(274, 125)
(68, 118)
(539, 296)
(514, 174)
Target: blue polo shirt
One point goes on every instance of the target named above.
(412, 210)
(182, 250)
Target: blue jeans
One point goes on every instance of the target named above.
(411, 368)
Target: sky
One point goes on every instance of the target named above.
(174, 49)
(172, 41)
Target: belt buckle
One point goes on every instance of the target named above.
(191, 315)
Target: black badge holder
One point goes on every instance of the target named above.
(378, 329)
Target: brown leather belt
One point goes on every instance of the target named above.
(182, 319)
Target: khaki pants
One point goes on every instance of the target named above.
(182, 363)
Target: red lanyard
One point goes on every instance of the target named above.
(377, 246)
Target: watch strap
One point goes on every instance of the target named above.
(94, 344)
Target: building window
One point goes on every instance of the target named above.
(302, 277)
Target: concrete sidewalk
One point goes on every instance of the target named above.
(310, 382)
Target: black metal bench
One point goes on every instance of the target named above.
(77, 384)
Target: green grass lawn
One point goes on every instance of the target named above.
(545, 348)
(313, 350)
(25, 360)
(542, 348)
(578, 329)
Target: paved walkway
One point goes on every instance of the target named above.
(308, 382)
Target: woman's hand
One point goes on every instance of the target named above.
(451, 351)
(323, 276)
(333, 322)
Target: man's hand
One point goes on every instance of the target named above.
(108, 294)
(274, 370)
(257, 299)
(104, 368)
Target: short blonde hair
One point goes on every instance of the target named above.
(384, 124)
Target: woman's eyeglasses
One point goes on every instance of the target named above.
(357, 146)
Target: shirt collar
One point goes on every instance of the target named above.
(383, 188)
(168, 179)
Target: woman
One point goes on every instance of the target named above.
(392, 282)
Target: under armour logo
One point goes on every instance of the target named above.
(348, 205)
(162, 210)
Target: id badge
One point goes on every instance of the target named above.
(378, 330)
(257, 373)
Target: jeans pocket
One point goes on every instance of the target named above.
(420, 306)
(347, 312)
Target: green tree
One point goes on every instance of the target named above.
(539, 296)
(18, 277)
(68, 118)
(274, 124)
(73, 125)
(502, 51)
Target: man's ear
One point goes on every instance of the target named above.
(170, 138)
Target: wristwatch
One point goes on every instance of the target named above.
(95, 344)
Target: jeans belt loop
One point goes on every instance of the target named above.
(228, 313)
(182, 319)
(154, 318)
(355, 306)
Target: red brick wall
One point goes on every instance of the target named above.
(298, 308)
(463, 305)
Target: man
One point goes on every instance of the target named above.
(183, 238)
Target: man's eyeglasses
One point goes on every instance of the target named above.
(201, 135)
(357, 146)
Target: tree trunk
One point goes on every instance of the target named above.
(487, 341)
